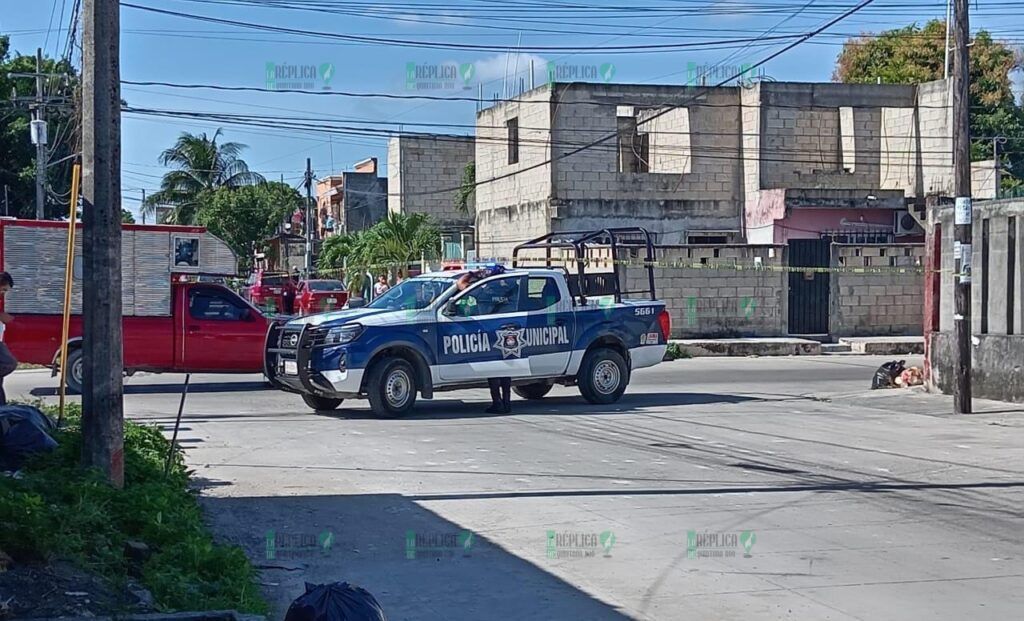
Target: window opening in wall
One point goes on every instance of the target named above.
(633, 147)
(984, 275)
(707, 239)
(512, 125)
(1011, 273)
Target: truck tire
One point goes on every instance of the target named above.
(76, 368)
(603, 376)
(534, 391)
(321, 403)
(392, 388)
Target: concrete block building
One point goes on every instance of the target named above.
(760, 163)
(424, 172)
(351, 201)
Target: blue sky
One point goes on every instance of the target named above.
(164, 48)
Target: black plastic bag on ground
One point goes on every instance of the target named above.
(338, 601)
(24, 431)
(885, 376)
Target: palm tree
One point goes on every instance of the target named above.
(401, 239)
(201, 164)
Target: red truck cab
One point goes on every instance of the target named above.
(174, 319)
(211, 329)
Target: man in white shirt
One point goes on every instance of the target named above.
(7, 361)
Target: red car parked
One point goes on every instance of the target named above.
(317, 296)
(266, 289)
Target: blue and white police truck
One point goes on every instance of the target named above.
(539, 326)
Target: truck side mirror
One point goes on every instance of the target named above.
(449, 309)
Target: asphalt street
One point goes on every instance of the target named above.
(733, 488)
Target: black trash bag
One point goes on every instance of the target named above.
(24, 431)
(338, 601)
(885, 376)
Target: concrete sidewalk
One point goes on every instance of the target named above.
(792, 346)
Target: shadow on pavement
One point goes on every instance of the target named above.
(172, 389)
(369, 548)
(440, 409)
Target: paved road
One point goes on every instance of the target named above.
(854, 504)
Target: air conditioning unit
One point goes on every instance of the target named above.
(904, 223)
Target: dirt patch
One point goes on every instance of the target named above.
(61, 589)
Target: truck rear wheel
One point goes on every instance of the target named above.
(603, 376)
(534, 391)
(391, 388)
(75, 371)
(321, 403)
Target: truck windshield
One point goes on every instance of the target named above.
(413, 294)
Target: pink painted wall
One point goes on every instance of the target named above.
(809, 223)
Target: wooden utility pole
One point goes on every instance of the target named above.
(309, 218)
(963, 233)
(102, 386)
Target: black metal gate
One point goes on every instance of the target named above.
(809, 290)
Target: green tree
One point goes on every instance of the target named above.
(202, 164)
(127, 217)
(390, 245)
(247, 216)
(915, 54)
(17, 153)
(467, 189)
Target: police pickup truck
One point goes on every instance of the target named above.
(537, 326)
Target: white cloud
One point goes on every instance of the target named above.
(508, 69)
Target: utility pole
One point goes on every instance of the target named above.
(963, 230)
(142, 206)
(309, 218)
(102, 392)
(39, 137)
(38, 130)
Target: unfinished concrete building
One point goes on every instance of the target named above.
(762, 163)
(424, 171)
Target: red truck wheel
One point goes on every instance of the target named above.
(75, 371)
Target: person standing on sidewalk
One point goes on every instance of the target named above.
(7, 361)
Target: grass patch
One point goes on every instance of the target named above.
(58, 511)
(675, 352)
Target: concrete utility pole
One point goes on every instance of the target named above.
(142, 207)
(39, 137)
(963, 233)
(309, 218)
(102, 386)
(38, 129)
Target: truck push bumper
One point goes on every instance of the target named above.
(287, 361)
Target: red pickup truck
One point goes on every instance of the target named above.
(172, 321)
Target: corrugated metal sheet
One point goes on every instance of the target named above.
(34, 256)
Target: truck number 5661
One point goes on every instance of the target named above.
(644, 310)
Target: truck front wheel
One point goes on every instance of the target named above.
(603, 376)
(76, 370)
(532, 392)
(392, 388)
(321, 403)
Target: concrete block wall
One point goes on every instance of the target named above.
(742, 291)
(877, 303)
(997, 355)
(429, 163)
(670, 150)
(515, 208)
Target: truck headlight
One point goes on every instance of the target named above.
(343, 334)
